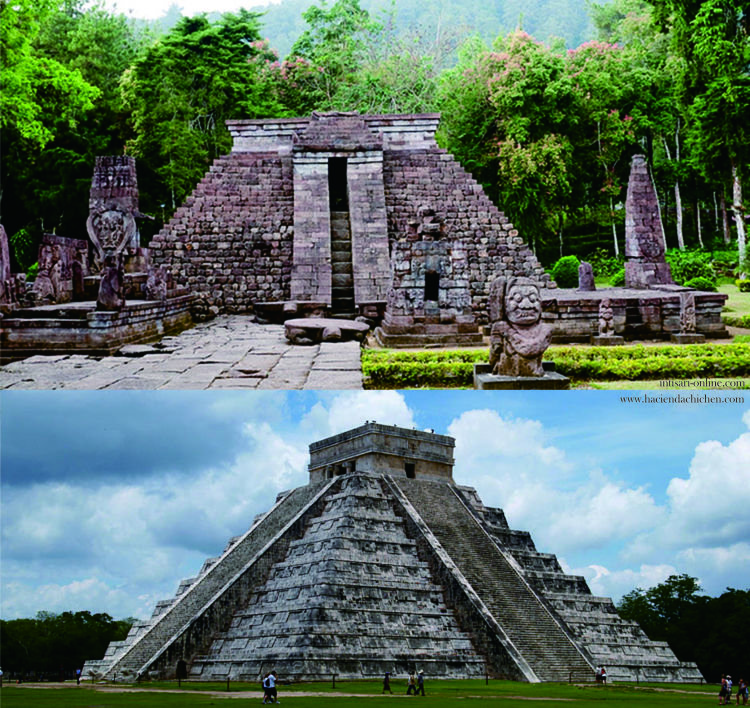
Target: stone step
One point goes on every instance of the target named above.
(342, 280)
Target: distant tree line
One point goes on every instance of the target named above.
(711, 631)
(53, 646)
(549, 131)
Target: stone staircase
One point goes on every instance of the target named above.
(342, 276)
(196, 596)
(527, 622)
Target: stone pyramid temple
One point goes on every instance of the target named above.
(383, 563)
(352, 214)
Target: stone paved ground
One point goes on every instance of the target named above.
(230, 352)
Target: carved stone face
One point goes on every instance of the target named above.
(523, 306)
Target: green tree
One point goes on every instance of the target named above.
(711, 38)
(184, 87)
(38, 93)
(58, 643)
(334, 44)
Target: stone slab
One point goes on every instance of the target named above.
(492, 382)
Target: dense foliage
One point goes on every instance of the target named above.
(697, 627)
(55, 645)
(547, 128)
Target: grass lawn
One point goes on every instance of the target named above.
(440, 694)
(738, 303)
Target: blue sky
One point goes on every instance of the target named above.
(110, 499)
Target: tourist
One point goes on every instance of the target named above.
(729, 690)
(387, 682)
(272, 693)
(420, 683)
(412, 685)
(265, 688)
(78, 677)
(598, 674)
(742, 692)
(723, 690)
(604, 675)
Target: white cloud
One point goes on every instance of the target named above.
(345, 411)
(513, 465)
(615, 583)
(708, 508)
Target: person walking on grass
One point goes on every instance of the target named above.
(411, 687)
(420, 683)
(272, 693)
(387, 682)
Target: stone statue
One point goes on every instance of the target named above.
(687, 313)
(518, 338)
(111, 287)
(606, 318)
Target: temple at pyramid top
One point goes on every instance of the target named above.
(382, 563)
(384, 449)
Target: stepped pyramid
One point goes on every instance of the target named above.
(382, 563)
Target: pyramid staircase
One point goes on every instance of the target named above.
(184, 625)
(342, 276)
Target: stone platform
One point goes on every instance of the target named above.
(78, 327)
(638, 314)
(484, 380)
(229, 352)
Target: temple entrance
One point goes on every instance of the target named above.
(342, 271)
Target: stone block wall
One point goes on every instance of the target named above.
(231, 241)
(486, 244)
(369, 227)
(311, 269)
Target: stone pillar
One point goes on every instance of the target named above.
(645, 264)
(369, 224)
(311, 256)
(113, 205)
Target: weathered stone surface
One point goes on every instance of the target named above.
(606, 318)
(518, 338)
(586, 277)
(644, 241)
(260, 226)
(309, 330)
(372, 567)
(111, 295)
(113, 205)
(637, 314)
(8, 286)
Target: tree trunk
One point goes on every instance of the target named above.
(698, 223)
(614, 227)
(725, 220)
(678, 216)
(739, 220)
(677, 197)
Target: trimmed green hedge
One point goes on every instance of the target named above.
(391, 369)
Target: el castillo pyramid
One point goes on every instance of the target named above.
(383, 563)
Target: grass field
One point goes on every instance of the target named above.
(440, 694)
